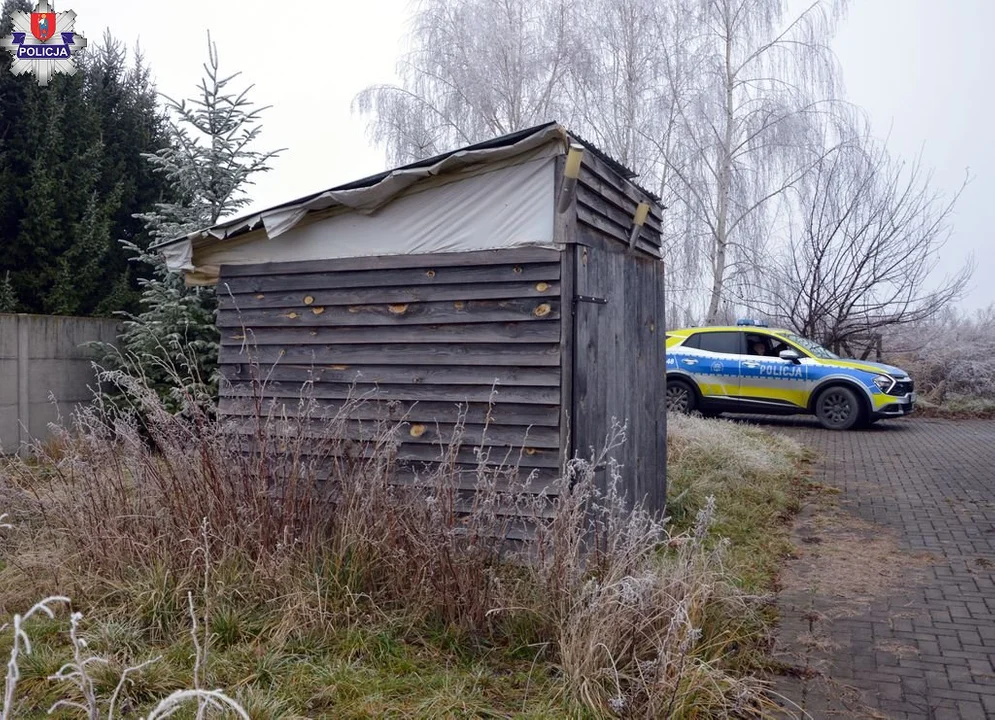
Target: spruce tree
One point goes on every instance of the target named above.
(73, 176)
(41, 231)
(8, 297)
(209, 163)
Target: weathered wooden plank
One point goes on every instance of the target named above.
(465, 477)
(466, 454)
(314, 281)
(618, 386)
(488, 375)
(457, 312)
(591, 231)
(645, 281)
(506, 513)
(493, 354)
(475, 258)
(608, 229)
(589, 384)
(596, 204)
(658, 400)
(440, 434)
(457, 494)
(593, 236)
(590, 215)
(641, 487)
(322, 462)
(415, 411)
(461, 480)
(619, 366)
(595, 166)
(391, 294)
(441, 393)
(508, 332)
(593, 183)
(601, 376)
(426, 473)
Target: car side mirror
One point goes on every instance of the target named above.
(791, 355)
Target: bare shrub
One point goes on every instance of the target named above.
(951, 357)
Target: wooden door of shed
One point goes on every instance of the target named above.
(619, 356)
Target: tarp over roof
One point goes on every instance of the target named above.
(364, 196)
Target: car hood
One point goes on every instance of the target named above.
(874, 367)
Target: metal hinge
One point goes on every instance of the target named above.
(589, 299)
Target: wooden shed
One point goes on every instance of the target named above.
(531, 262)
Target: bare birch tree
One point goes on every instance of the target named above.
(616, 85)
(707, 99)
(868, 242)
(477, 68)
(744, 132)
(727, 106)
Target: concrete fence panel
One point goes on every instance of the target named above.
(45, 371)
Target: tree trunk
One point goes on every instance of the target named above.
(721, 240)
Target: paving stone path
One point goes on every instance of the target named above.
(903, 625)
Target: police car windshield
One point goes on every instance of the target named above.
(814, 348)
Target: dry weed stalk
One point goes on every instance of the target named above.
(22, 643)
(77, 671)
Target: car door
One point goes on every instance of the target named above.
(768, 380)
(713, 358)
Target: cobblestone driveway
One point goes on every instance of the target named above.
(925, 646)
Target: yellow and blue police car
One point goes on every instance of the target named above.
(750, 368)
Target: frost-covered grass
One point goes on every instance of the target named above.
(956, 407)
(344, 596)
(754, 474)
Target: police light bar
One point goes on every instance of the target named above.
(752, 323)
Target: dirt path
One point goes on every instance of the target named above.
(888, 608)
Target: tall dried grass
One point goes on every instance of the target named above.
(294, 510)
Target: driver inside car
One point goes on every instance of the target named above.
(758, 346)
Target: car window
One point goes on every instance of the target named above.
(813, 348)
(692, 342)
(727, 343)
(763, 344)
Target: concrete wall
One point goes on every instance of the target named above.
(41, 357)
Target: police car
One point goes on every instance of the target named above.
(751, 368)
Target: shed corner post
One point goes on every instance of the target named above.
(565, 238)
(662, 454)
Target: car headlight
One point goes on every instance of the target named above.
(884, 383)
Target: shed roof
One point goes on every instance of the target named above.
(369, 194)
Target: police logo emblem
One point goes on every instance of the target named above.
(43, 42)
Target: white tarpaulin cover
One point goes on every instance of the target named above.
(470, 200)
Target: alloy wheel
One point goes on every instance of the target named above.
(836, 408)
(678, 398)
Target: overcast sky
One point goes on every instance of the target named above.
(921, 68)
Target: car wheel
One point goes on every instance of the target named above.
(838, 408)
(680, 397)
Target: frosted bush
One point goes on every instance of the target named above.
(954, 355)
